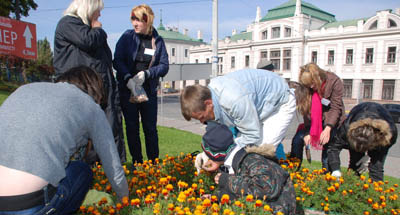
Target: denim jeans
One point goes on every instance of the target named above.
(70, 192)
(298, 147)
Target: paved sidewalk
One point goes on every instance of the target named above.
(196, 127)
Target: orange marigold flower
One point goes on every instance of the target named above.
(164, 192)
(365, 186)
(326, 208)
(214, 198)
(249, 198)
(194, 186)
(370, 201)
(383, 204)
(135, 202)
(82, 208)
(111, 211)
(125, 200)
(169, 187)
(362, 177)
(118, 206)
(238, 203)
(395, 185)
(375, 206)
(366, 213)
(171, 207)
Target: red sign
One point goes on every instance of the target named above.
(18, 38)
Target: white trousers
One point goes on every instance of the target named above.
(275, 126)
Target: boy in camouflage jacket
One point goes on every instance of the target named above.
(252, 170)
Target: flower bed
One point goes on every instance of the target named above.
(172, 186)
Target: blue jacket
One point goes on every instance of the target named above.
(124, 61)
(245, 98)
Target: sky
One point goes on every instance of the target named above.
(194, 15)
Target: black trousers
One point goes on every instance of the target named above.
(147, 112)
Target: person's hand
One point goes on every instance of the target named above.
(325, 135)
(201, 159)
(96, 24)
(307, 140)
(131, 85)
(211, 166)
(216, 178)
(139, 78)
(362, 164)
(337, 174)
(205, 196)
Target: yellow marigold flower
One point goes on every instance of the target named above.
(344, 192)
(258, 203)
(267, 208)
(224, 199)
(201, 181)
(169, 187)
(165, 192)
(194, 186)
(181, 197)
(212, 187)
(326, 208)
(298, 198)
(214, 198)
(201, 191)
(279, 213)
(249, 198)
(375, 206)
(135, 202)
(227, 211)
(206, 202)
(365, 186)
(171, 207)
(215, 207)
(362, 177)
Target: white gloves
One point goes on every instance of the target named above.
(131, 85)
(337, 174)
(201, 159)
(363, 164)
(139, 78)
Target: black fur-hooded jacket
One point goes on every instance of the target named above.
(361, 114)
(258, 173)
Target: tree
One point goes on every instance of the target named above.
(16, 7)
(45, 55)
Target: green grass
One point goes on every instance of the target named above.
(3, 96)
(318, 165)
(171, 141)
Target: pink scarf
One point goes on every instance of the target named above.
(316, 121)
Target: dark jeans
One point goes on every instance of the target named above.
(70, 192)
(298, 147)
(376, 164)
(148, 115)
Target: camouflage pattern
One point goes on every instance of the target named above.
(262, 177)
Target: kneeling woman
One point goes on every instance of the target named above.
(42, 126)
(369, 128)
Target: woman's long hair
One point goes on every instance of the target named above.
(312, 75)
(84, 9)
(303, 97)
(88, 81)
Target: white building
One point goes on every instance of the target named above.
(178, 45)
(363, 52)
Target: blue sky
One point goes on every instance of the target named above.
(194, 14)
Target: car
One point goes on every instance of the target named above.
(394, 110)
(169, 90)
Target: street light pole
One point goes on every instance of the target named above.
(215, 39)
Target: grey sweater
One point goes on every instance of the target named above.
(43, 124)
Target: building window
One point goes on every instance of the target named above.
(349, 56)
(276, 32)
(264, 54)
(367, 90)
(392, 24)
(391, 55)
(374, 25)
(369, 55)
(288, 32)
(197, 60)
(207, 82)
(173, 52)
(247, 61)
(331, 57)
(207, 60)
(275, 57)
(264, 35)
(287, 54)
(388, 89)
(232, 62)
(348, 88)
(220, 65)
(196, 82)
(186, 52)
(314, 55)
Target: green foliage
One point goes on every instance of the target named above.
(17, 8)
(45, 55)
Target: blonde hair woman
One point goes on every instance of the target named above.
(140, 58)
(80, 40)
(321, 105)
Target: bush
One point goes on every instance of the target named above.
(172, 186)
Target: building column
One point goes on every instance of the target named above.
(357, 90)
(377, 89)
(396, 96)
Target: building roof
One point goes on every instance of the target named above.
(169, 34)
(288, 9)
(242, 36)
(344, 23)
